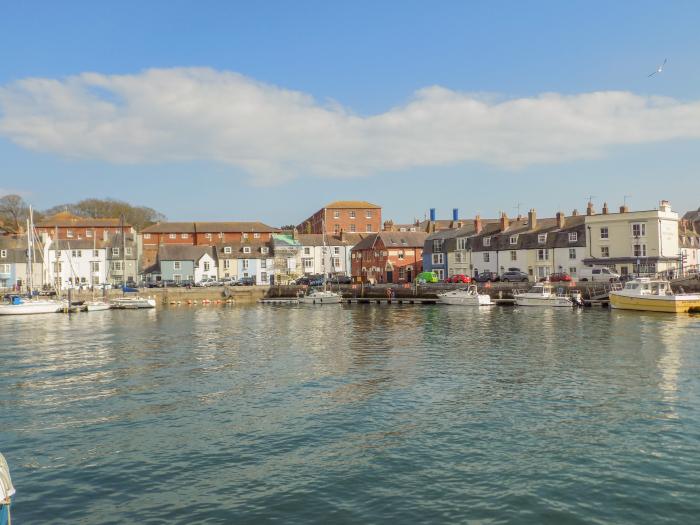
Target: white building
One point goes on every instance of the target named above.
(76, 263)
(335, 259)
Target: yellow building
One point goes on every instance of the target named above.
(633, 242)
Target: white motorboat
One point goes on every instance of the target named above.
(20, 306)
(97, 306)
(133, 303)
(653, 295)
(321, 297)
(466, 297)
(543, 294)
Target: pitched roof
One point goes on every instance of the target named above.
(237, 250)
(316, 239)
(170, 227)
(210, 227)
(175, 252)
(393, 240)
(351, 204)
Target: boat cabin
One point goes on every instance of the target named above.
(649, 287)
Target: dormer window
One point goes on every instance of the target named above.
(573, 236)
(184, 235)
(256, 236)
(542, 238)
(88, 234)
(3, 253)
(514, 239)
(146, 235)
(173, 236)
(264, 249)
(227, 249)
(487, 241)
(246, 249)
(245, 235)
(69, 234)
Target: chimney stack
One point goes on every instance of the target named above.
(532, 219)
(504, 222)
(560, 220)
(589, 209)
(605, 208)
(624, 209)
(477, 225)
(574, 213)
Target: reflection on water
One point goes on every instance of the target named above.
(355, 414)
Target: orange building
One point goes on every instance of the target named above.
(344, 216)
(388, 257)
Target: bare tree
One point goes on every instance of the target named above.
(13, 212)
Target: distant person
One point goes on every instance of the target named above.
(6, 491)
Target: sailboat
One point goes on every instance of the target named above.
(30, 305)
(324, 296)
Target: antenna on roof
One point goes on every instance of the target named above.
(591, 197)
(624, 199)
(517, 208)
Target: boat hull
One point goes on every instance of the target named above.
(552, 302)
(321, 298)
(97, 307)
(465, 300)
(668, 304)
(30, 308)
(133, 304)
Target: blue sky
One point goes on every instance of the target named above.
(359, 68)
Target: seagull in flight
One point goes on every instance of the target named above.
(660, 68)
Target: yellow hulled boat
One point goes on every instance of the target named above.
(653, 295)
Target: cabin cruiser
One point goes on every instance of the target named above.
(21, 306)
(543, 294)
(132, 303)
(321, 297)
(466, 297)
(653, 295)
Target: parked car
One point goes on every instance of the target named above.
(245, 281)
(228, 281)
(340, 279)
(560, 276)
(598, 273)
(209, 281)
(427, 277)
(487, 277)
(514, 275)
(459, 278)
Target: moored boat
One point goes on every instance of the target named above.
(97, 306)
(543, 294)
(321, 297)
(653, 295)
(133, 303)
(466, 297)
(21, 306)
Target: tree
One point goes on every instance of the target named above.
(136, 216)
(13, 212)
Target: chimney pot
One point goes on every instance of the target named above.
(477, 224)
(624, 208)
(532, 219)
(560, 220)
(589, 209)
(504, 222)
(605, 208)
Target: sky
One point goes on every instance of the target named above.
(267, 111)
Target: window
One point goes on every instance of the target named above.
(177, 265)
(307, 250)
(462, 243)
(58, 254)
(146, 235)
(184, 235)
(440, 273)
(173, 236)
(3, 253)
(227, 264)
(437, 258)
(256, 236)
(95, 253)
(513, 255)
(542, 238)
(458, 257)
(263, 277)
(207, 236)
(572, 253)
(245, 235)
(437, 245)
(605, 251)
(352, 214)
(69, 234)
(117, 266)
(88, 234)
(639, 229)
(352, 228)
(514, 239)
(177, 277)
(368, 214)
(221, 235)
(640, 250)
(573, 236)
(336, 229)
(308, 263)
(94, 267)
(245, 264)
(336, 250)
(127, 250)
(487, 258)
(76, 253)
(59, 267)
(572, 271)
(369, 227)
(264, 249)
(335, 261)
(400, 256)
(206, 266)
(263, 263)
(246, 249)
(227, 249)
(336, 214)
(604, 232)
(115, 251)
(487, 241)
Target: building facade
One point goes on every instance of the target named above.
(344, 216)
(66, 226)
(248, 259)
(388, 257)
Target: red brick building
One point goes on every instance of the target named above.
(344, 216)
(66, 226)
(388, 257)
(200, 234)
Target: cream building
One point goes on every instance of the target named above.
(633, 242)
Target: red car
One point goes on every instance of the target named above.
(459, 278)
(562, 276)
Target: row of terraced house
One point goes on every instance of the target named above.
(349, 238)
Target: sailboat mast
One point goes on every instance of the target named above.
(121, 224)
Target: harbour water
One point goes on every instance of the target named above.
(352, 414)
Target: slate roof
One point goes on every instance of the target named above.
(16, 247)
(237, 250)
(210, 227)
(175, 252)
(316, 239)
(393, 240)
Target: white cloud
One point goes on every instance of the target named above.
(166, 115)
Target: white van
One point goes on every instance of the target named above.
(597, 273)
